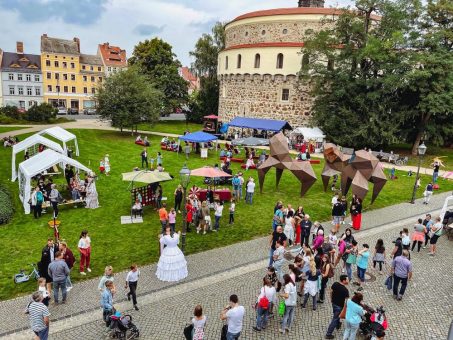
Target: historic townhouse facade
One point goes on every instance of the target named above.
(21, 78)
(113, 58)
(70, 78)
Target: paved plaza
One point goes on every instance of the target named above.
(215, 274)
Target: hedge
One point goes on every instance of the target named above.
(6, 205)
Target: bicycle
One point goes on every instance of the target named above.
(22, 277)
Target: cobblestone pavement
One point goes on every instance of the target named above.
(207, 270)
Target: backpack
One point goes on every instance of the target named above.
(39, 197)
(264, 301)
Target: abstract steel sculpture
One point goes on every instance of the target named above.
(357, 169)
(281, 160)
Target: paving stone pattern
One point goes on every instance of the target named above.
(85, 297)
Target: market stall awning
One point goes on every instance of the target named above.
(198, 137)
(260, 124)
(62, 135)
(211, 117)
(208, 171)
(310, 133)
(250, 141)
(147, 177)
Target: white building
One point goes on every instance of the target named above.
(21, 78)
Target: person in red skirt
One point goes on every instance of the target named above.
(189, 213)
(356, 212)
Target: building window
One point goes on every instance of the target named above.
(57, 88)
(257, 60)
(285, 31)
(72, 76)
(28, 77)
(57, 76)
(280, 60)
(49, 75)
(29, 91)
(12, 91)
(72, 64)
(92, 78)
(84, 78)
(246, 33)
(224, 91)
(20, 90)
(48, 63)
(93, 90)
(65, 64)
(37, 91)
(239, 61)
(85, 90)
(285, 95)
(99, 68)
(305, 61)
(91, 68)
(65, 89)
(49, 88)
(19, 76)
(73, 89)
(226, 63)
(65, 76)
(100, 79)
(114, 69)
(56, 63)
(11, 76)
(330, 64)
(263, 32)
(83, 67)
(109, 69)
(22, 104)
(31, 103)
(36, 78)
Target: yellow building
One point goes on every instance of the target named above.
(70, 78)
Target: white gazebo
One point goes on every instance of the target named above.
(38, 164)
(63, 136)
(310, 134)
(31, 143)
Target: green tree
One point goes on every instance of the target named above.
(206, 54)
(128, 98)
(356, 66)
(155, 59)
(43, 112)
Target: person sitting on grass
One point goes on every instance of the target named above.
(137, 208)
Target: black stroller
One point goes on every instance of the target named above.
(374, 322)
(122, 327)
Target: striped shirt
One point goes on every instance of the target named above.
(37, 311)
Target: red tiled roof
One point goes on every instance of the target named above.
(113, 55)
(293, 11)
(187, 75)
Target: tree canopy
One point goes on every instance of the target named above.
(128, 98)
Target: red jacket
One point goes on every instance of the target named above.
(69, 258)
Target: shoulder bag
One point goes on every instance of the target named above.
(343, 311)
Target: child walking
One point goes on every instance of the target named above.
(232, 208)
(45, 293)
(131, 281)
(379, 255)
(172, 219)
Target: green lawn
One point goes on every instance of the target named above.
(431, 152)
(121, 245)
(171, 126)
(11, 128)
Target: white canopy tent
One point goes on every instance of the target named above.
(36, 165)
(29, 143)
(63, 136)
(310, 133)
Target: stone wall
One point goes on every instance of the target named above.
(269, 32)
(258, 96)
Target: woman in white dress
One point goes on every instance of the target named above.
(91, 200)
(289, 227)
(172, 265)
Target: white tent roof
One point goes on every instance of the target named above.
(46, 160)
(58, 133)
(36, 139)
(309, 133)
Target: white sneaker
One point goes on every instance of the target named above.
(83, 273)
(204, 232)
(342, 271)
(68, 289)
(89, 270)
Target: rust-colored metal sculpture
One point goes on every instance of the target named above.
(280, 159)
(356, 170)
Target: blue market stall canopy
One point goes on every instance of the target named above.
(260, 124)
(198, 137)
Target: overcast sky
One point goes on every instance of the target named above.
(122, 22)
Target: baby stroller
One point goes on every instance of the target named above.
(120, 325)
(374, 322)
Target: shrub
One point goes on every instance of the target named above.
(41, 113)
(6, 205)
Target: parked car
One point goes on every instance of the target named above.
(73, 111)
(62, 110)
(90, 111)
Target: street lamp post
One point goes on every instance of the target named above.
(421, 151)
(184, 176)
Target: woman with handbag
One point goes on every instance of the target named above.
(264, 304)
(434, 234)
(326, 273)
(351, 259)
(196, 328)
(290, 296)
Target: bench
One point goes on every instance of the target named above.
(312, 161)
(233, 159)
(251, 167)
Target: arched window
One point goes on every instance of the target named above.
(330, 64)
(257, 60)
(305, 61)
(226, 63)
(239, 61)
(280, 60)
